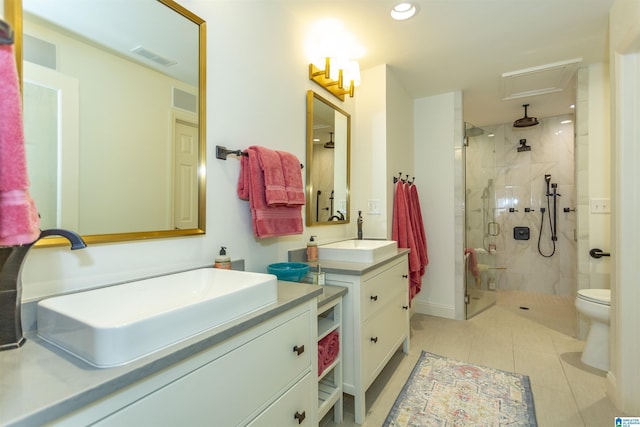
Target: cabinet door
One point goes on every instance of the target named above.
(230, 389)
(381, 336)
(295, 407)
(379, 290)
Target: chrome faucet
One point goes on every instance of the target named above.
(11, 260)
(359, 225)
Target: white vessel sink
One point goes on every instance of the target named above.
(368, 251)
(117, 324)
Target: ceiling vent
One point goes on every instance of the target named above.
(158, 59)
(538, 80)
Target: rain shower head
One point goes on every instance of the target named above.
(330, 144)
(475, 131)
(526, 121)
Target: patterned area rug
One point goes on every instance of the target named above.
(447, 392)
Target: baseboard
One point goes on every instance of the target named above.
(610, 384)
(438, 310)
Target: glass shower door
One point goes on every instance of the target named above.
(482, 229)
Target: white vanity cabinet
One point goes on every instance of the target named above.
(376, 324)
(261, 377)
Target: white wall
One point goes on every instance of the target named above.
(593, 172)
(624, 375)
(400, 141)
(438, 165)
(256, 94)
(369, 151)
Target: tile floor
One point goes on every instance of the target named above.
(539, 342)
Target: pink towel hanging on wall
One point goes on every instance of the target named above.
(19, 221)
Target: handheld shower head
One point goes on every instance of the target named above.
(547, 179)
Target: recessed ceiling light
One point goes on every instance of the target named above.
(403, 11)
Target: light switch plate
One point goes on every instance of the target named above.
(373, 207)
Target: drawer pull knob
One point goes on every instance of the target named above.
(374, 339)
(406, 307)
(298, 349)
(300, 416)
(374, 297)
(404, 276)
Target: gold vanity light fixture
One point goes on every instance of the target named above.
(350, 73)
(332, 50)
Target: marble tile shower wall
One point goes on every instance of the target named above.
(516, 180)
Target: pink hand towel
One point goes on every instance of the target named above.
(19, 221)
(418, 227)
(473, 262)
(292, 178)
(402, 233)
(271, 166)
(267, 221)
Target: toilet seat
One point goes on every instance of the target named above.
(597, 296)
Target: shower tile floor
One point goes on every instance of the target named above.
(539, 342)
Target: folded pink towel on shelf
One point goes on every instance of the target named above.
(321, 353)
(19, 221)
(330, 350)
(274, 183)
(292, 178)
(267, 221)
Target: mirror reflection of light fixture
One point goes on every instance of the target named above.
(330, 143)
(335, 85)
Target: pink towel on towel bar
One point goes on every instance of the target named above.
(267, 221)
(292, 178)
(275, 191)
(19, 221)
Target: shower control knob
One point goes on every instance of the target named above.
(529, 210)
(513, 210)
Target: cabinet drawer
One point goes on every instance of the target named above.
(378, 291)
(228, 390)
(382, 334)
(295, 407)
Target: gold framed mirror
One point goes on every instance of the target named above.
(114, 114)
(328, 162)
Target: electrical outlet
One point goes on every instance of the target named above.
(600, 206)
(373, 206)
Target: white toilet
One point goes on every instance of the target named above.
(595, 305)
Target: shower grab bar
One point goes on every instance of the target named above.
(598, 253)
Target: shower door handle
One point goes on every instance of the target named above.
(597, 253)
(493, 229)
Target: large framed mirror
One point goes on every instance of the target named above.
(328, 162)
(114, 116)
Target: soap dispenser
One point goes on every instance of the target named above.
(223, 260)
(312, 249)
